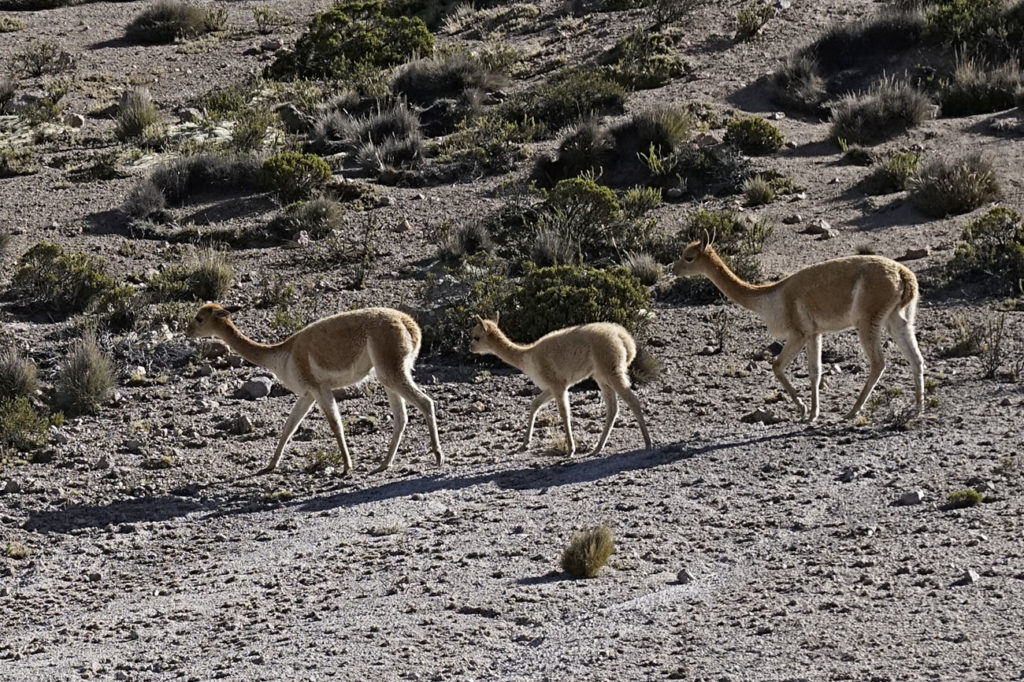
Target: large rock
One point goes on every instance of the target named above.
(257, 387)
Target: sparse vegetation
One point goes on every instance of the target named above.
(894, 174)
(753, 135)
(751, 18)
(644, 267)
(63, 282)
(567, 96)
(42, 58)
(18, 375)
(943, 188)
(178, 179)
(978, 88)
(318, 218)
(992, 250)
(84, 378)
(799, 87)
(758, 191)
(891, 108)
(168, 20)
(208, 278)
(294, 176)
(961, 499)
(642, 60)
(588, 552)
(137, 115)
(21, 427)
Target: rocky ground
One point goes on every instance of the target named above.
(744, 551)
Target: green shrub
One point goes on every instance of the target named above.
(977, 88)
(564, 295)
(961, 499)
(119, 308)
(891, 108)
(18, 376)
(15, 162)
(638, 201)
(351, 36)
(642, 60)
(318, 218)
(226, 101)
(137, 115)
(992, 250)
(49, 107)
(21, 427)
(894, 174)
(168, 20)
(449, 76)
(249, 128)
(84, 378)
(758, 191)
(66, 283)
(588, 552)
(294, 176)
(267, 19)
(39, 59)
(753, 135)
(945, 188)
(569, 95)
(963, 22)
(751, 18)
(488, 145)
(207, 279)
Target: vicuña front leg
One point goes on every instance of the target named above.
(789, 352)
(562, 399)
(295, 418)
(871, 341)
(325, 399)
(813, 353)
(538, 402)
(401, 419)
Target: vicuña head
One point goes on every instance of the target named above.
(330, 353)
(866, 293)
(566, 357)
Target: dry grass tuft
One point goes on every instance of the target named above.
(588, 552)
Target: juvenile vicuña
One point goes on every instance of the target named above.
(563, 358)
(336, 351)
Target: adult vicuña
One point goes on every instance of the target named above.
(336, 351)
(559, 360)
(863, 292)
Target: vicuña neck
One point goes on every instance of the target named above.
(736, 290)
(509, 351)
(260, 354)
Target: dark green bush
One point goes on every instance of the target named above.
(84, 378)
(642, 60)
(588, 552)
(488, 145)
(352, 36)
(961, 499)
(992, 250)
(977, 88)
(226, 101)
(753, 135)
(891, 108)
(21, 427)
(64, 282)
(18, 376)
(168, 20)
(569, 95)
(207, 279)
(294, 176)
(119, 308)
(945, 188)
(867, 42)
(963, 22)
(560, 296)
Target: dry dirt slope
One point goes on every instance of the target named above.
(802, 567)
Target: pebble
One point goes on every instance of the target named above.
(685, 576)
(916, 254)
(818, 226)
(766, 417)
(912, 498)
(12, 487)
(793, 219)
(403, 227)
(970, 577)
(74, 120)
(257, 387)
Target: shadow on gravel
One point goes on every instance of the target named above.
(534, 479)
(124, 513)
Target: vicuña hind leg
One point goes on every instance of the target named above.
(562, 400)
(538, 402)
(404, 386)
(871, 341)
(903, 334)
(401, 419)
(298, 413)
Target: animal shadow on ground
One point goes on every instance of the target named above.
(192, 500)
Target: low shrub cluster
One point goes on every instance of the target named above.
(642, 60)
(563, 98)
(318, 218)
(991, 250)
(753, 135)
(208, 278)
(943, 188)
(353, 36)
(294, 176)
(894, 174)
(978, 88)
(386, 137)
(62, 282)
(891, 108)
(168, 20)
(84, 378)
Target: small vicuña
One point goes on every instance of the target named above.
(559, 360)
(336, 351)
(862, 292)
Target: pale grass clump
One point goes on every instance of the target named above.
(334, 352)
(588, 552)
(863, 292)
(555, 362)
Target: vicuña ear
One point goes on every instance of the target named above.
(479, 319)
(497, 316)
(231, 308)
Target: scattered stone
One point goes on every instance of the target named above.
(674, 193)
(94, 576)
(12, 487)
(302, 238)
(102, 463)
(257, 387)
(271, 45)
(848, 474)
(403, 227)
(916, 254)
(710, 138)
(250, 51)
(818, 226)
(793, 219)
(970, 577)
(190, 115)
(241, 425)
(657, 342)
(685, 576)
(829, 234)
(766, 417)
(74, 120)
(783, 4)
(981, 485)
(777, 115)
(295, 120)
(387, 201)
(910, 499)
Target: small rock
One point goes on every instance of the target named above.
(241, 425)
(94, 576)
(685, 576)
(777, 115)
(12, 487)
(271, 45)
(783, 4)
(294, 119)
(793, 219)
(981, 485)
(909, 499)
(250, 51)
(674, 193)
(257, 387)
(302, 238)
(848, 474)
(709, 139)
(970, 577)
(818, 226)
(387, 201)
(828, 234)
(766, 417)
(403, 227)
(74, 120)
(916, 254)
(102, 463)
(190, 115)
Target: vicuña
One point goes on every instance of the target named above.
(336, 351)
(862, 292)
(558, 360)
